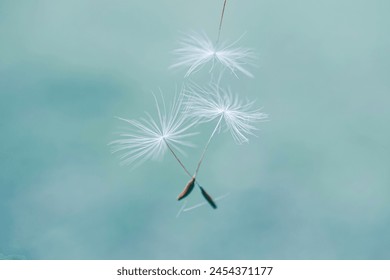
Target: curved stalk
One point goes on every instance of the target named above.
(177, 158)
(180, 162)
(207, 145)
(187, 190)
(220, 21)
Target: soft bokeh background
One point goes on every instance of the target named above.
(314, 184)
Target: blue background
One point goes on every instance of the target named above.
(314, 184)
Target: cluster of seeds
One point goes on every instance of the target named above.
(151, 137)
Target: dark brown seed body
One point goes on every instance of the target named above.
(208, 198)
(188, 189)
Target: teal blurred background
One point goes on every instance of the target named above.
(314, 184)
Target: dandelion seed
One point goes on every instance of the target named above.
(197, 50)
(208, 198)
(187, 190)
(150, 138)
(208, 104)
